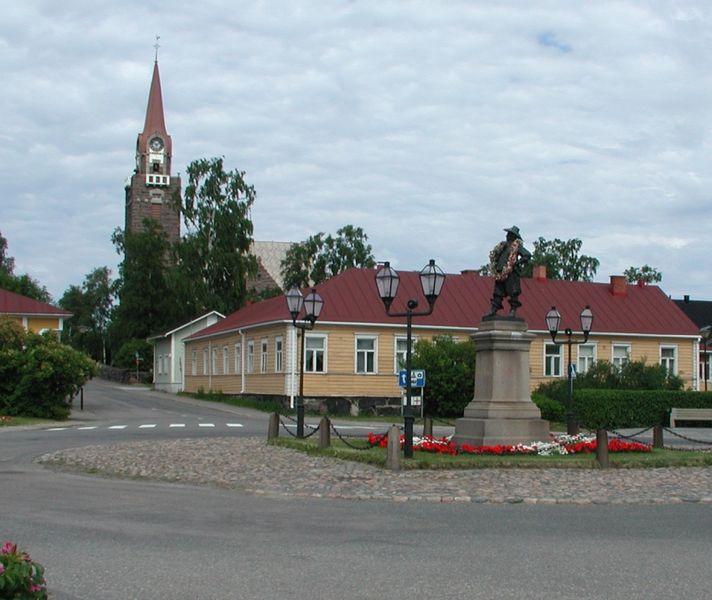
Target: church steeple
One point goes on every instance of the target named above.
(150, 191)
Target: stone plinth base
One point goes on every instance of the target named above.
(502, 411)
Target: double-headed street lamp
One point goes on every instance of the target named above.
(431, 281)
(312, 305)
(706, 334)
(553, 320)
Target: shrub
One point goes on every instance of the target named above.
(551, 410)
(41, 378)
(126, 356)
(20, 576)
(450, 375)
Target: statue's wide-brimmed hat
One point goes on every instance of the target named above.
(515, 230)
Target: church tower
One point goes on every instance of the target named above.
(150, 191)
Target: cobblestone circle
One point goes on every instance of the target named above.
(253, 466)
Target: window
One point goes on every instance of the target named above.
(194, 363)
(278, 355)
(586, 358)
(250, 356)
(315, 354)
(400, 350)
(263, 355)
(214, 364)
(621, 355)
(205, 361)
(238, 359)
(705, 366)
(668, 359)
(552, 360)
(226, 359)
(365, 354)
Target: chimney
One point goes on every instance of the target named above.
(686, 298)
(619, 285)
(475, 272)
(539, 272)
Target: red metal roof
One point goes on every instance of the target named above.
(351, 297)
(15, 304)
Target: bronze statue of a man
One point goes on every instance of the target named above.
(506, 260)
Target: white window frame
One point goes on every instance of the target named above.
(238, 358)
(582, 367)
(553, 363)
(666, 360)
(618, 361)
(214, 361)
(366, 353)
(226, 360)
(399, 355)
(705, 365)
(205, 361)
(264, 349)
(251, 356)
(278, 354)
(311, 354)
(194, 363)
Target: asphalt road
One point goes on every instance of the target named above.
(103, 538)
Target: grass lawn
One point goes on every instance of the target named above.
(15, 421)
(427, 460)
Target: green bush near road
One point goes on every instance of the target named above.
(39, 376)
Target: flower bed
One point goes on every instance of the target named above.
(20, 577)
(558, 445)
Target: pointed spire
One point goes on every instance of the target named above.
(154, 111)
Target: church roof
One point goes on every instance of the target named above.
(351, 298)
(155, 120)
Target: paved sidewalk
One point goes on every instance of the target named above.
(252, 466)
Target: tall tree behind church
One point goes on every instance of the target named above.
(214, 259)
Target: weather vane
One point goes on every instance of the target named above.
(157, 46)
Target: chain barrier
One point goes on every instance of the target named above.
(289, 431)
(633, 437)
(344, 439)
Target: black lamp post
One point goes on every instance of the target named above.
(706, 333)
(431, 281)
(312, 305)
(553, 320)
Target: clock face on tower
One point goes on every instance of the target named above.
(156, 144)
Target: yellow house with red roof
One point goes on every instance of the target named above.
(355, 351)
(33, 315)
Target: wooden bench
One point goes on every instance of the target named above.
(690, 414)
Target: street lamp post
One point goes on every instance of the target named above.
(706, 334)
(553, 320)
(431, 282)
(312, 305)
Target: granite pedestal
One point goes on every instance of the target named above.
(502, 411)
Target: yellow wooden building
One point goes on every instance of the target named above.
(33, 315)
(355, 350)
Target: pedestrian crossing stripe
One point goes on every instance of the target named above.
(143, 426)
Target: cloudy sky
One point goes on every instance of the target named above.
(432, 125)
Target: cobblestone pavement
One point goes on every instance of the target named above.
(250, 465)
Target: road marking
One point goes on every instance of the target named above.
(86, 428)
(234, 424)
(57, 428)
(206, 425)
(176, 425)
(147, 426)
(118, 427)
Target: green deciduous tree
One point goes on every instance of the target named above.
(450, 375)
(562, 260)
(146, 303)
(91, 308)
(321, 256)
(20, 284)
(214, 259)
(645, 273)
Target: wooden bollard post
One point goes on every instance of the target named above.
(273, 429)
(393, 451)
(658, 436)
(602, 448)
(428, 426)
(324, 433)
